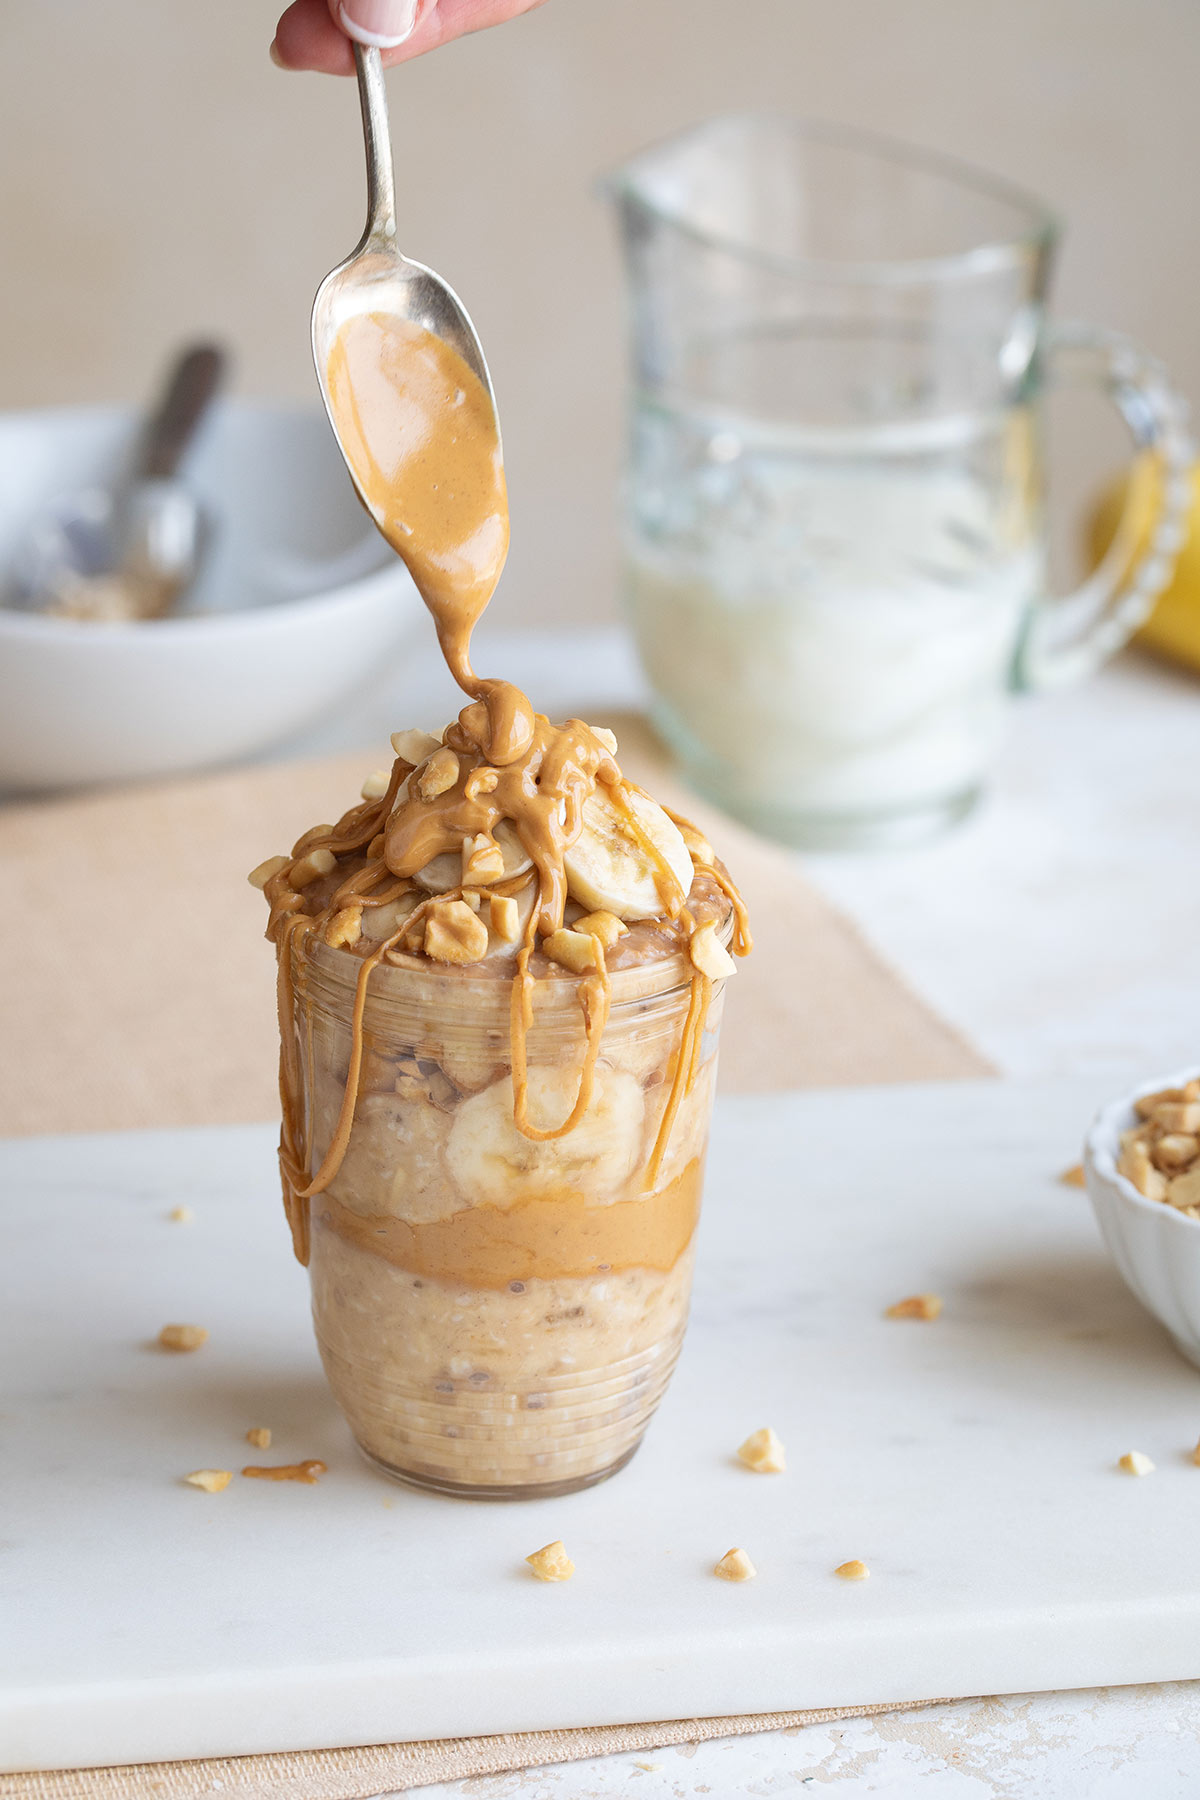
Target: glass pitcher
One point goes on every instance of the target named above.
(835, 536)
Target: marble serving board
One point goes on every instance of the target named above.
(969, 1462)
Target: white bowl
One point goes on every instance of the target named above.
(1156, 1247)
(299, 602)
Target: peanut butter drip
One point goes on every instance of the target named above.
(540, 791)
(419, 432)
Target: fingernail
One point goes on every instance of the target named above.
(275, 56)
(381, 23)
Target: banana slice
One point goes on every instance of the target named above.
(609, 871)
(494, 1165)
(379, 922)
(445, 871)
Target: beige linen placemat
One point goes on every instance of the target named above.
(145, 996)
(143, 992)
(391, 1768)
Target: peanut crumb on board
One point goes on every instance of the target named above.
(181, 1215)
(1135, 1462)
(259, 1436)
(763, 1452)
(211, 1480)
(1072, 1177)
(735, 1565)
(551, 1562)
(182, 1337)
(916, 1306)
(301, 1471)
(853, 1570)
(1196, 1456)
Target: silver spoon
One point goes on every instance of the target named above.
(128, 551)
(375, 277)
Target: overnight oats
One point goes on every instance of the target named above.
(496, 1105)
(500, 985)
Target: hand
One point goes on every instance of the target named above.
(315, 34)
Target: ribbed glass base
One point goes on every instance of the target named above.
(542, 1490)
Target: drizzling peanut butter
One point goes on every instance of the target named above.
(419, 432)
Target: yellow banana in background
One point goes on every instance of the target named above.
(1173, 628)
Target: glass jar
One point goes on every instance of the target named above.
(499, 1316)
(836, 517)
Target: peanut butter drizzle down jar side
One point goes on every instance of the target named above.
(409, 417)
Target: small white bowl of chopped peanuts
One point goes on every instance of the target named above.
(1142, 1168)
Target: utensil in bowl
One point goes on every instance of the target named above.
(128, 551)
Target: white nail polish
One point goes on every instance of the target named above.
(405, 19)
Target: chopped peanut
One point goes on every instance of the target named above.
(551, 1562)
(182, 1337)
(1135, 1463)
(482, 860)
(505, 917)
(1183, 1191)
(1073, 1177)
(377, 784)
(853, 1570)
(575, 950)
(181, 1215)
(709, 954)
(260, 876)
(453, 933)
(603, 925)
(735, 1565)
(916, 1306)
(1175, 1151)
(259, 1436)
(1145, 1106)
(303, 1471)
(1181, 1115)
(345, 927)
(311, 866)
(763, 1452)
(211, 1480)
(481, 781)
(1196, 1456)
(473, 898)
(437, 775)
(699, 848)
(414, 746)
(1135, 1164)
(607, 738)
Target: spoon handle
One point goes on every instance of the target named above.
(190, 387)
(381, 187)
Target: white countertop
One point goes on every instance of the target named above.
(1057, 930)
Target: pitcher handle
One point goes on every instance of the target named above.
(1070, 637)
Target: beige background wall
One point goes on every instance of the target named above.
(160, 177)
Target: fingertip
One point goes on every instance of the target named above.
(307, 38)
